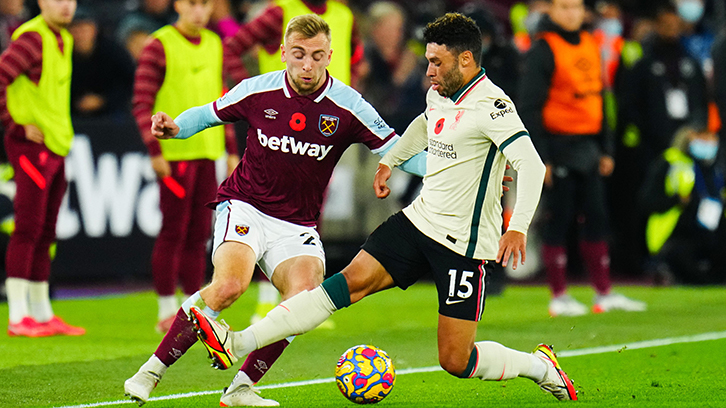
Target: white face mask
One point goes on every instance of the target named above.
(611, 26)
(690, 11)
(531, 22)
(704, 150)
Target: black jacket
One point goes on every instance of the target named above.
(664, 68)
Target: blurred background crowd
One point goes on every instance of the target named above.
(664, 77)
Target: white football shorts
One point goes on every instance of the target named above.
(273, 240)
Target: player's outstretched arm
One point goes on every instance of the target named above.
(407, 152)
(193, 121)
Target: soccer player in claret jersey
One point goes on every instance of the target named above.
(301, 121)
(453, 229)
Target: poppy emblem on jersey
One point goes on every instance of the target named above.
(242, 230)
(328, 124)
(297, 122)
(439, 126)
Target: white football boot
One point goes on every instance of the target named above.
(242, 393)
(616, 301)
(555, 381)
(145, 380)
(565, 305)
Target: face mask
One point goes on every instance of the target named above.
(611, 26)
(532, 21)
(690, 10)
(703, 150)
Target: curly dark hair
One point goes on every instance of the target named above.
(457, 32)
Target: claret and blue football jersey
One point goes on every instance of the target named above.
(294, 142)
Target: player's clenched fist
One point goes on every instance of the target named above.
(379, 181)
(163, 126)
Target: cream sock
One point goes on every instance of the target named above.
(497, 363)
(168, 306)
(39, 297)
(297, 315)
(17, 291)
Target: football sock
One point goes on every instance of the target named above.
(168, 306)
(154, 365)
(597, 258)
(554, 258)
(196, 300)
(259, 361)
(496, 362)
(180, 337)
(299, 314)
(337, 289)
(17, 291)
(39, 302)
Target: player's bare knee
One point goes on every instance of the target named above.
(452, 364)
(229, 289)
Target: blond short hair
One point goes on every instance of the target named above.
(307, 25)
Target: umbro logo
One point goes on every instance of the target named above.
(271, 113)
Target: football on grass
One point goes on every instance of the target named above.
(365, 374)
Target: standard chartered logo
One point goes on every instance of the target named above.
(441, 149)
(288, 144)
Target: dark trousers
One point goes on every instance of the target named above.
(180, 255)
(574, 196)
(41, 183)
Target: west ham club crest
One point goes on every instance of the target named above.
(328, 125)
(242, 230)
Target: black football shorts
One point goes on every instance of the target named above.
(407, 255)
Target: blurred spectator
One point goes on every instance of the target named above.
(134, 29)
(525, 19)
(266, 31)
(499, 58)
(393, 84)
(684, 195)
(608, 33)
(562, 106)
(628, 248)
(665, 89)
(696, 37)
(103, 72)
(719, 84)
(223, 20)
(12, 14)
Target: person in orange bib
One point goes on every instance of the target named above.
(561, 103)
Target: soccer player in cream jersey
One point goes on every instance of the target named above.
(301, 121)
(453, 229)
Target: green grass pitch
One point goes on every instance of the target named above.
(90, 370)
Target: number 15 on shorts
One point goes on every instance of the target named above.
(459, 292)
